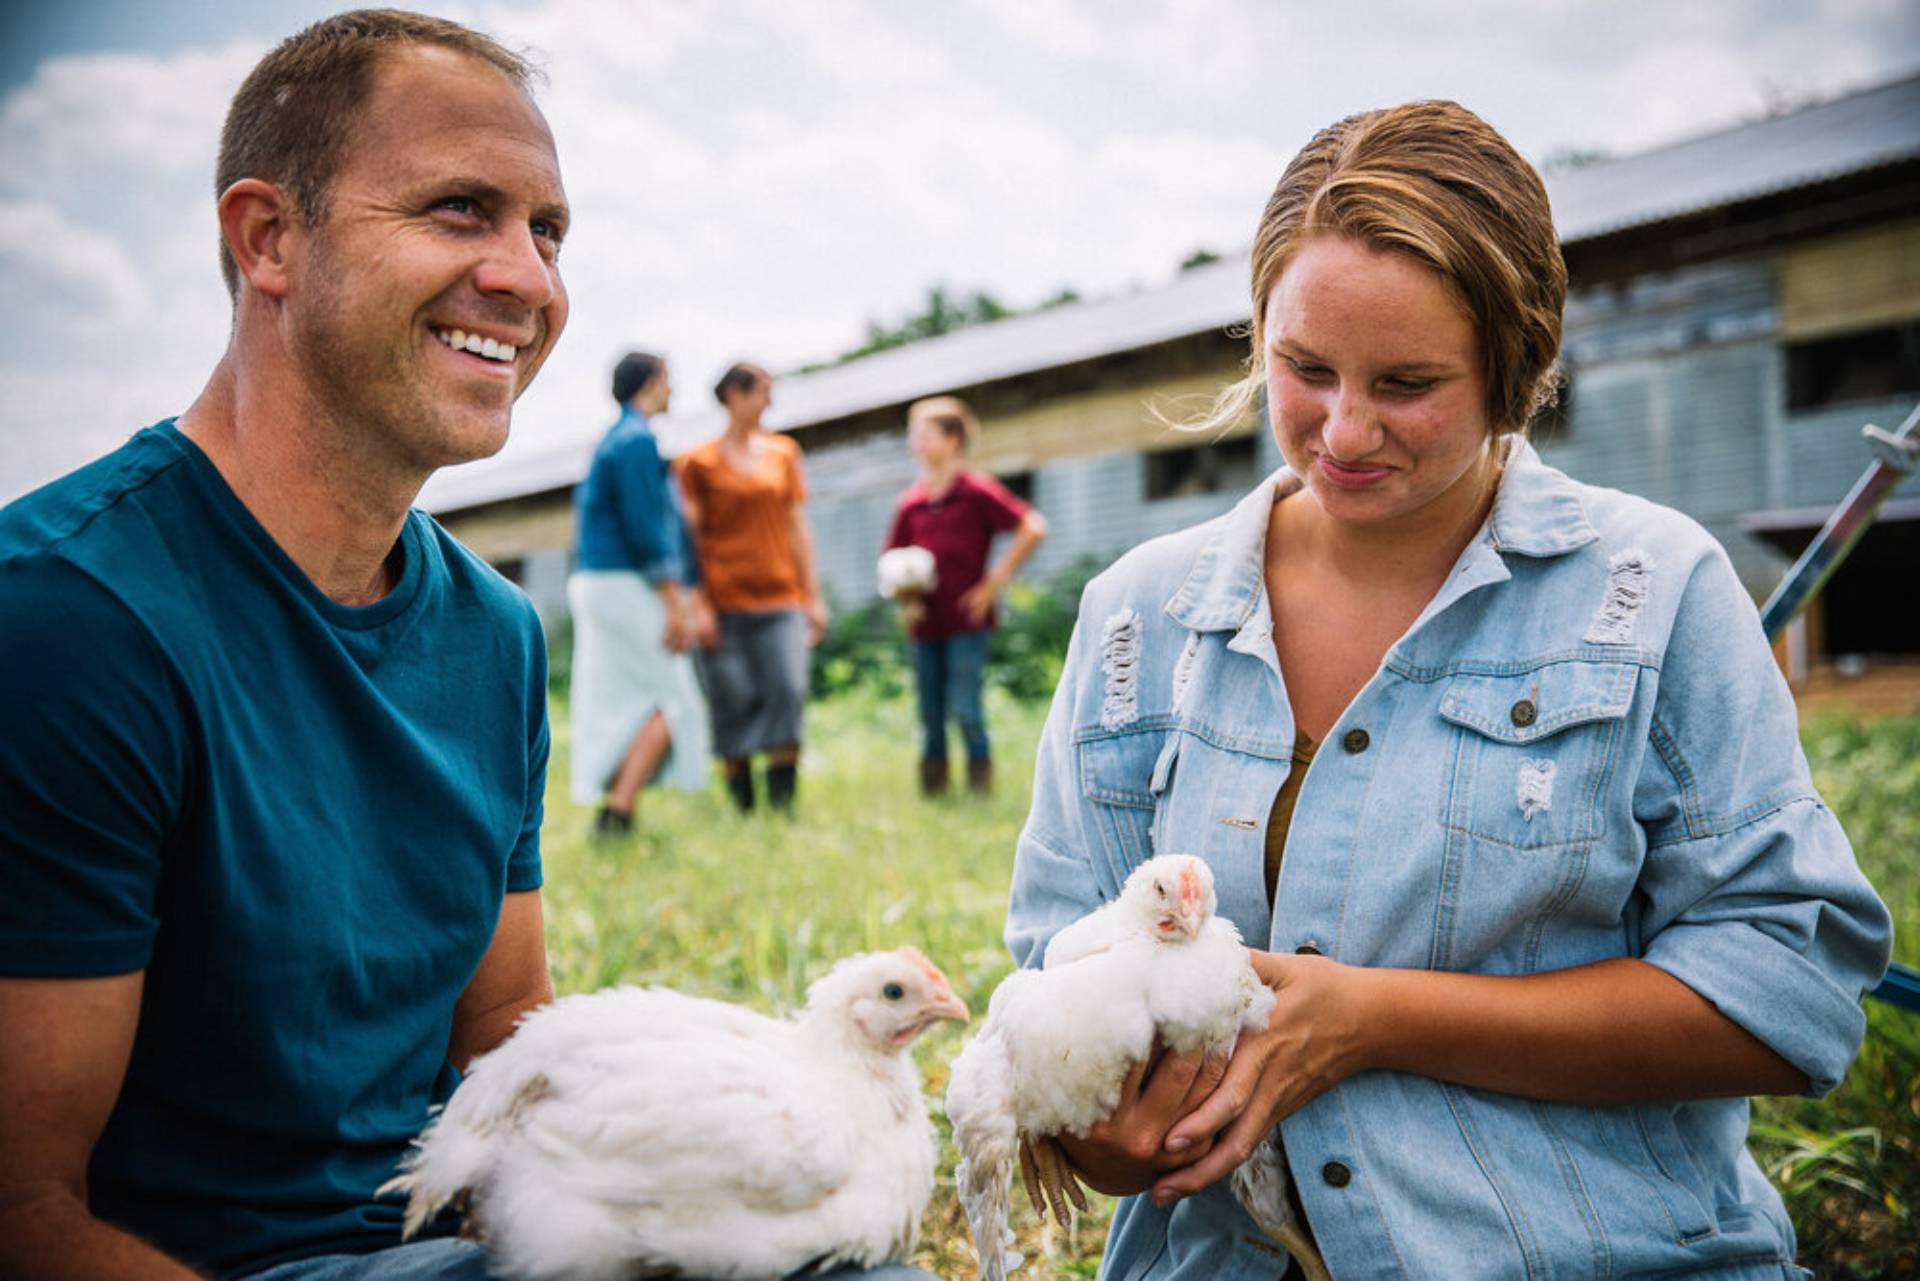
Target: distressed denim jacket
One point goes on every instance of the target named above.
(1581, 749)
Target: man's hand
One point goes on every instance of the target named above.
(816, 611)
(1314, 1040)
(678, 633)
(978, 600)
(1127, 1152)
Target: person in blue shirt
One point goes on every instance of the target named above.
(636, 703)
(1495, 773)
(274, 746)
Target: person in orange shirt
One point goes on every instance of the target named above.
(759, 608)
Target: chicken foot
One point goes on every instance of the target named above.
(1050, 1180)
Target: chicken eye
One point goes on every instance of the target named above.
(1160, 889)
(893, 991)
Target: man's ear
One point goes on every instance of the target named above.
(256, 220)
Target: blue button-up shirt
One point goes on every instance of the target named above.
(1581, 749)
(629, 509)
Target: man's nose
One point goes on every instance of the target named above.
(516, 266)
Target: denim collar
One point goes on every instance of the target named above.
(1537, 512)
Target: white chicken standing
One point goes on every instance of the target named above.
(1058, 1042)
(638, 1131)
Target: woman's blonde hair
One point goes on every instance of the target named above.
(1436, 182)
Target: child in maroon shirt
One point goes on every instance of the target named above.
(955, 513)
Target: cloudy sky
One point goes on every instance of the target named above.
(761, 177)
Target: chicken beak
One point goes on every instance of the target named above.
(950, 1007)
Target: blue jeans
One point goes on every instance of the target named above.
(451, 1260)
(948, 674)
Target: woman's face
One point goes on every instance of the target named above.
(1374, 384)
(752, 402)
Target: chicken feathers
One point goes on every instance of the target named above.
(638, 1131)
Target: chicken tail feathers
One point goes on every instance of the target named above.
(453, 1154)
(1262, 1187)
(980, 1106)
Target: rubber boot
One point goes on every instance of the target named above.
(933, 775)
(611, 824)
(740, 787)
(980, 777)
(781, 780)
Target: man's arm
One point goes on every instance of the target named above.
(511, 980)
(978, 599)
(64, 1046)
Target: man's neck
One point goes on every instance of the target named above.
(334, 514)
(939, 478)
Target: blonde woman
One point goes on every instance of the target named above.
(1493, 769)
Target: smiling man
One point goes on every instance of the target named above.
(274, 745)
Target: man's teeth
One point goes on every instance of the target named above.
(461, 340)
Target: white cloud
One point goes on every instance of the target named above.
(759, 178)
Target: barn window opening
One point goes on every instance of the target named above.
(1019, 484)
(1869, 364)
(1221, 467)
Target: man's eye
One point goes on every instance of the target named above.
(457, 204)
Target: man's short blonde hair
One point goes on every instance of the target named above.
(951, 414)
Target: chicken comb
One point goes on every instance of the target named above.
(927, 967)
(1189, 884)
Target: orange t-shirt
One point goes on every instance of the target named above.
(744, 524)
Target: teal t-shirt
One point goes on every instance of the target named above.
(298, 817)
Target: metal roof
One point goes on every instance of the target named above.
(1848, 135)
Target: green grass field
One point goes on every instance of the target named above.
(753, 909)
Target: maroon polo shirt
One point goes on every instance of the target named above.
(958, 530)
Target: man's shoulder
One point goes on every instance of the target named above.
(499, 596)
(92, 502)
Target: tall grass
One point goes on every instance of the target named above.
(753, 908)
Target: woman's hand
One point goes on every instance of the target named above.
(1125, 1153)
(1316, 1037)
(703, 625)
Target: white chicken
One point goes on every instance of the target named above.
(638, 1131)
(1057, 1043)
(905, 572)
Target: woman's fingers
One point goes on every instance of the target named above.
(1213, 1068)
(1233, 1145)
(1228, 1099)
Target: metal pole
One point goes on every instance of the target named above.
(1895, 455)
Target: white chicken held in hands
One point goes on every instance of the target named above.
(640, 1132)
(1057, 1043)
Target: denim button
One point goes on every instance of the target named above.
(1336, 1175)
(1306, 949)
(1355, 741)
(1524, 713)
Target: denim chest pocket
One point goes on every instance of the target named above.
(1117, 780)
(1534, 751)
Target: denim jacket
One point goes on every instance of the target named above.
(1581, 749)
